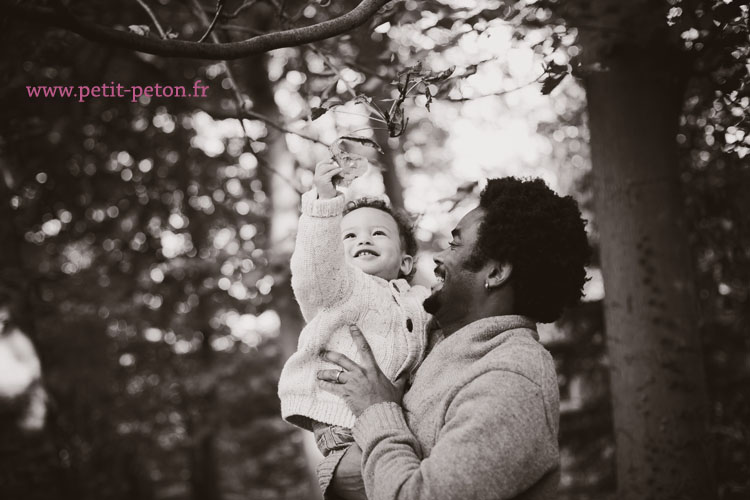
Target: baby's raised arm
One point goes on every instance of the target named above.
(320, 275)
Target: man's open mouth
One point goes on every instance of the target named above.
(363, 253)
(440, 275)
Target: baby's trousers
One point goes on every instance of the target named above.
(333, 441)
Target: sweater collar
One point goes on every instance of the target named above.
(487, 328)
(486, 334)
(473, 342)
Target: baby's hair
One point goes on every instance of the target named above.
(405, 228)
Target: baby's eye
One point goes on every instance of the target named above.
(378, 232)
(349, 235)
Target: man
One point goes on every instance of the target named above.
(480, 420)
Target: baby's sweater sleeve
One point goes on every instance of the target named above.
(320, 274)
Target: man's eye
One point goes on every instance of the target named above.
(452, 244)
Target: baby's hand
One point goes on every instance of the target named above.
(324, 172)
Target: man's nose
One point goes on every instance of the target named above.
(438, 258)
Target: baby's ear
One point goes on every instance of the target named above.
(407, 264)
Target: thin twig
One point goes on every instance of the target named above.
(282, 14)
(252, 115)
(242, 29)
(219, 8)
(374, 109)
(153, 18)
(502, 92)
(358, 114)
(59, 15)
(366, 128)
(336, 70)
(355, 65)
(282, 128)
(231, 15)
(241, 106)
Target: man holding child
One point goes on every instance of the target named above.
(480, 420)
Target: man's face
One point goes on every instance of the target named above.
(457, 286)
(372, 242)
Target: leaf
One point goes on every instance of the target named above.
(362, 99)
(139, 29)
(551, 82)
(352, 164)
(555, 73)
(330, 88)
(364, 141)
(317, 112)
(440, 76)
(410, 71)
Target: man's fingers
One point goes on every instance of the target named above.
(341, 360)
(337, 389)
(335, 376)
(362, 345)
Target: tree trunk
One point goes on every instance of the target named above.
(282, 224)
(657, 378)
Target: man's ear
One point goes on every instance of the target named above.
(499, 274)
(407, 264)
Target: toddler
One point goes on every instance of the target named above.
(348, 267)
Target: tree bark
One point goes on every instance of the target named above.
(657, 378)
(59, 16)
(281, 228)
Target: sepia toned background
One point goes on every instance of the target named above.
(144, 246)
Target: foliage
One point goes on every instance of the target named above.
(141, 245)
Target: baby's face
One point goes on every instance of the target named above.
(372, 242)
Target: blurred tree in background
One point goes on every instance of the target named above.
(146, 244)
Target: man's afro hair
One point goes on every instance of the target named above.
(543, 236)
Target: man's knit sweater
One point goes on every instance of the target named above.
(332, 295)
(479, 422)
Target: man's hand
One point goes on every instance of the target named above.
(359, 386)
(324, 172)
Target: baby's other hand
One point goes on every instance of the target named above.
(324, 172)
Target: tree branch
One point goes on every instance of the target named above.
(242, 106)
(231, 15)
(498, 93)
(219, 8)
(150, 13)
(61, 17)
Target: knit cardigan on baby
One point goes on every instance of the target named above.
(332, 295)
(480, 421)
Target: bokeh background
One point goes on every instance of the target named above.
(144, 246)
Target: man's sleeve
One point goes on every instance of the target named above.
(320, 275)
(495, 443)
